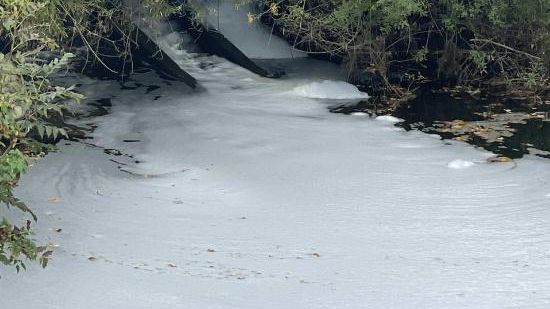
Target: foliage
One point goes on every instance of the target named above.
(27, 97)
(465, 41)
(15, 244)
(30, 32)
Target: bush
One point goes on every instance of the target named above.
(454, 40)
(28, 97)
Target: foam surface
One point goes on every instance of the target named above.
(250, 196)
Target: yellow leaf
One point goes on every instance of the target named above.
(274, 8)
(499, 159)
(504, 159)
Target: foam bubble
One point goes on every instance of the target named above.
(460, 164)
(329, 89)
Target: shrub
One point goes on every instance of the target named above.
(459, 40)
(28, 97)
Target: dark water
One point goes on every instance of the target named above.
(427, 113)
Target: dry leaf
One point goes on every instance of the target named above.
(499, 159)
(250, 17)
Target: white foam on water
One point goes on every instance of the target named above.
(389, 118)
(329, 89)
(254, 39)
(460, 164)
(243, 196)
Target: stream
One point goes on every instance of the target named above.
(249, 193)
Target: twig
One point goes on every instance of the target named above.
(507, 47)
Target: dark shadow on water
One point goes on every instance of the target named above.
(534, 134)
(439, 107)
(518, 126)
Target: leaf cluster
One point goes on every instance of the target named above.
(464, 40)
(36, 40)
